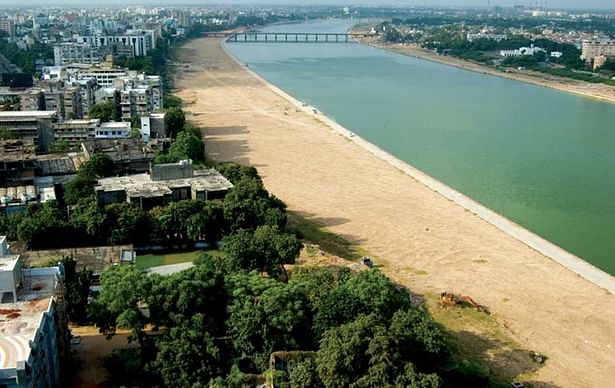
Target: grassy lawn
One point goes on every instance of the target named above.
(149, 261)
(328, 241)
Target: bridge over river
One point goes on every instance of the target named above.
(288, 37)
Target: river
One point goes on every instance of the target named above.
(543, 158)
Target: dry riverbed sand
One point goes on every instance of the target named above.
(427, 242)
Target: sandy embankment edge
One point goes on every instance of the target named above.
(548, 249)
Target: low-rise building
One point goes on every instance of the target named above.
(130, 156)
(164, 184)
(601, 60)
(75, 132)
(17, 162)
(154, 126)
(34, 125)
(112, 130)
(532, 50)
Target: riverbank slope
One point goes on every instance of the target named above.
(428, 242)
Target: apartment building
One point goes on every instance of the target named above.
(594, 48)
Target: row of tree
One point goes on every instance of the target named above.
(216, 325)
(25, 59)
(85, 222)
(187, 140)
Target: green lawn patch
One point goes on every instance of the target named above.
(151, 260)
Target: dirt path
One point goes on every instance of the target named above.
(429, 242)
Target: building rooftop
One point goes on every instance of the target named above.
(56, 166)
(32, 113)
(8, 263)
(115, 125)
(19, 321)
(17, 150)
(142, 184)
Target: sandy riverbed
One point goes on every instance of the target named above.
(428, 241)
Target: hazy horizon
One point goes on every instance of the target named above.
(569, 4)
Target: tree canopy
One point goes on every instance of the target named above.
(222, 326)
(104, 111)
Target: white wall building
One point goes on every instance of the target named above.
(67, 53)
(113, 130)
(522, 51)
(30, 340)
(139, 41)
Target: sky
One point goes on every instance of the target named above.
(584, 4)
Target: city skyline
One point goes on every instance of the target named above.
(568, 4)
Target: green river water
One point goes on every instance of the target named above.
(542, 158)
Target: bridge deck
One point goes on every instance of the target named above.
(295, 37)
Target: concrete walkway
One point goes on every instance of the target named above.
(169, 269)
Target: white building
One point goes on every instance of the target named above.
(113, 130)
(140, 42)
(153, 126)
(522, 51)
(497, 37)
(67, 53)
(32, 330)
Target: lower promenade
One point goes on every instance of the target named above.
(427, 241)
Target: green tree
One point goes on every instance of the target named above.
(187, 355)
(208, 224)
(342, 357)
(304, 374)
(126, 224)
(173, 222)
(60, 146)
(234, 172)
(248, 205)
(42, 225)
(123, 288)
(364, 293)
(265, 316)
(186, 146)
(135, 122)
(104, 111)
(6, 134)
(266, 249)
(99, 166)
(176, 120)
(77, 285)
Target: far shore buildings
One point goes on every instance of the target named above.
(522, 51)
(164, 184)
(471, 37)
(33, 332)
